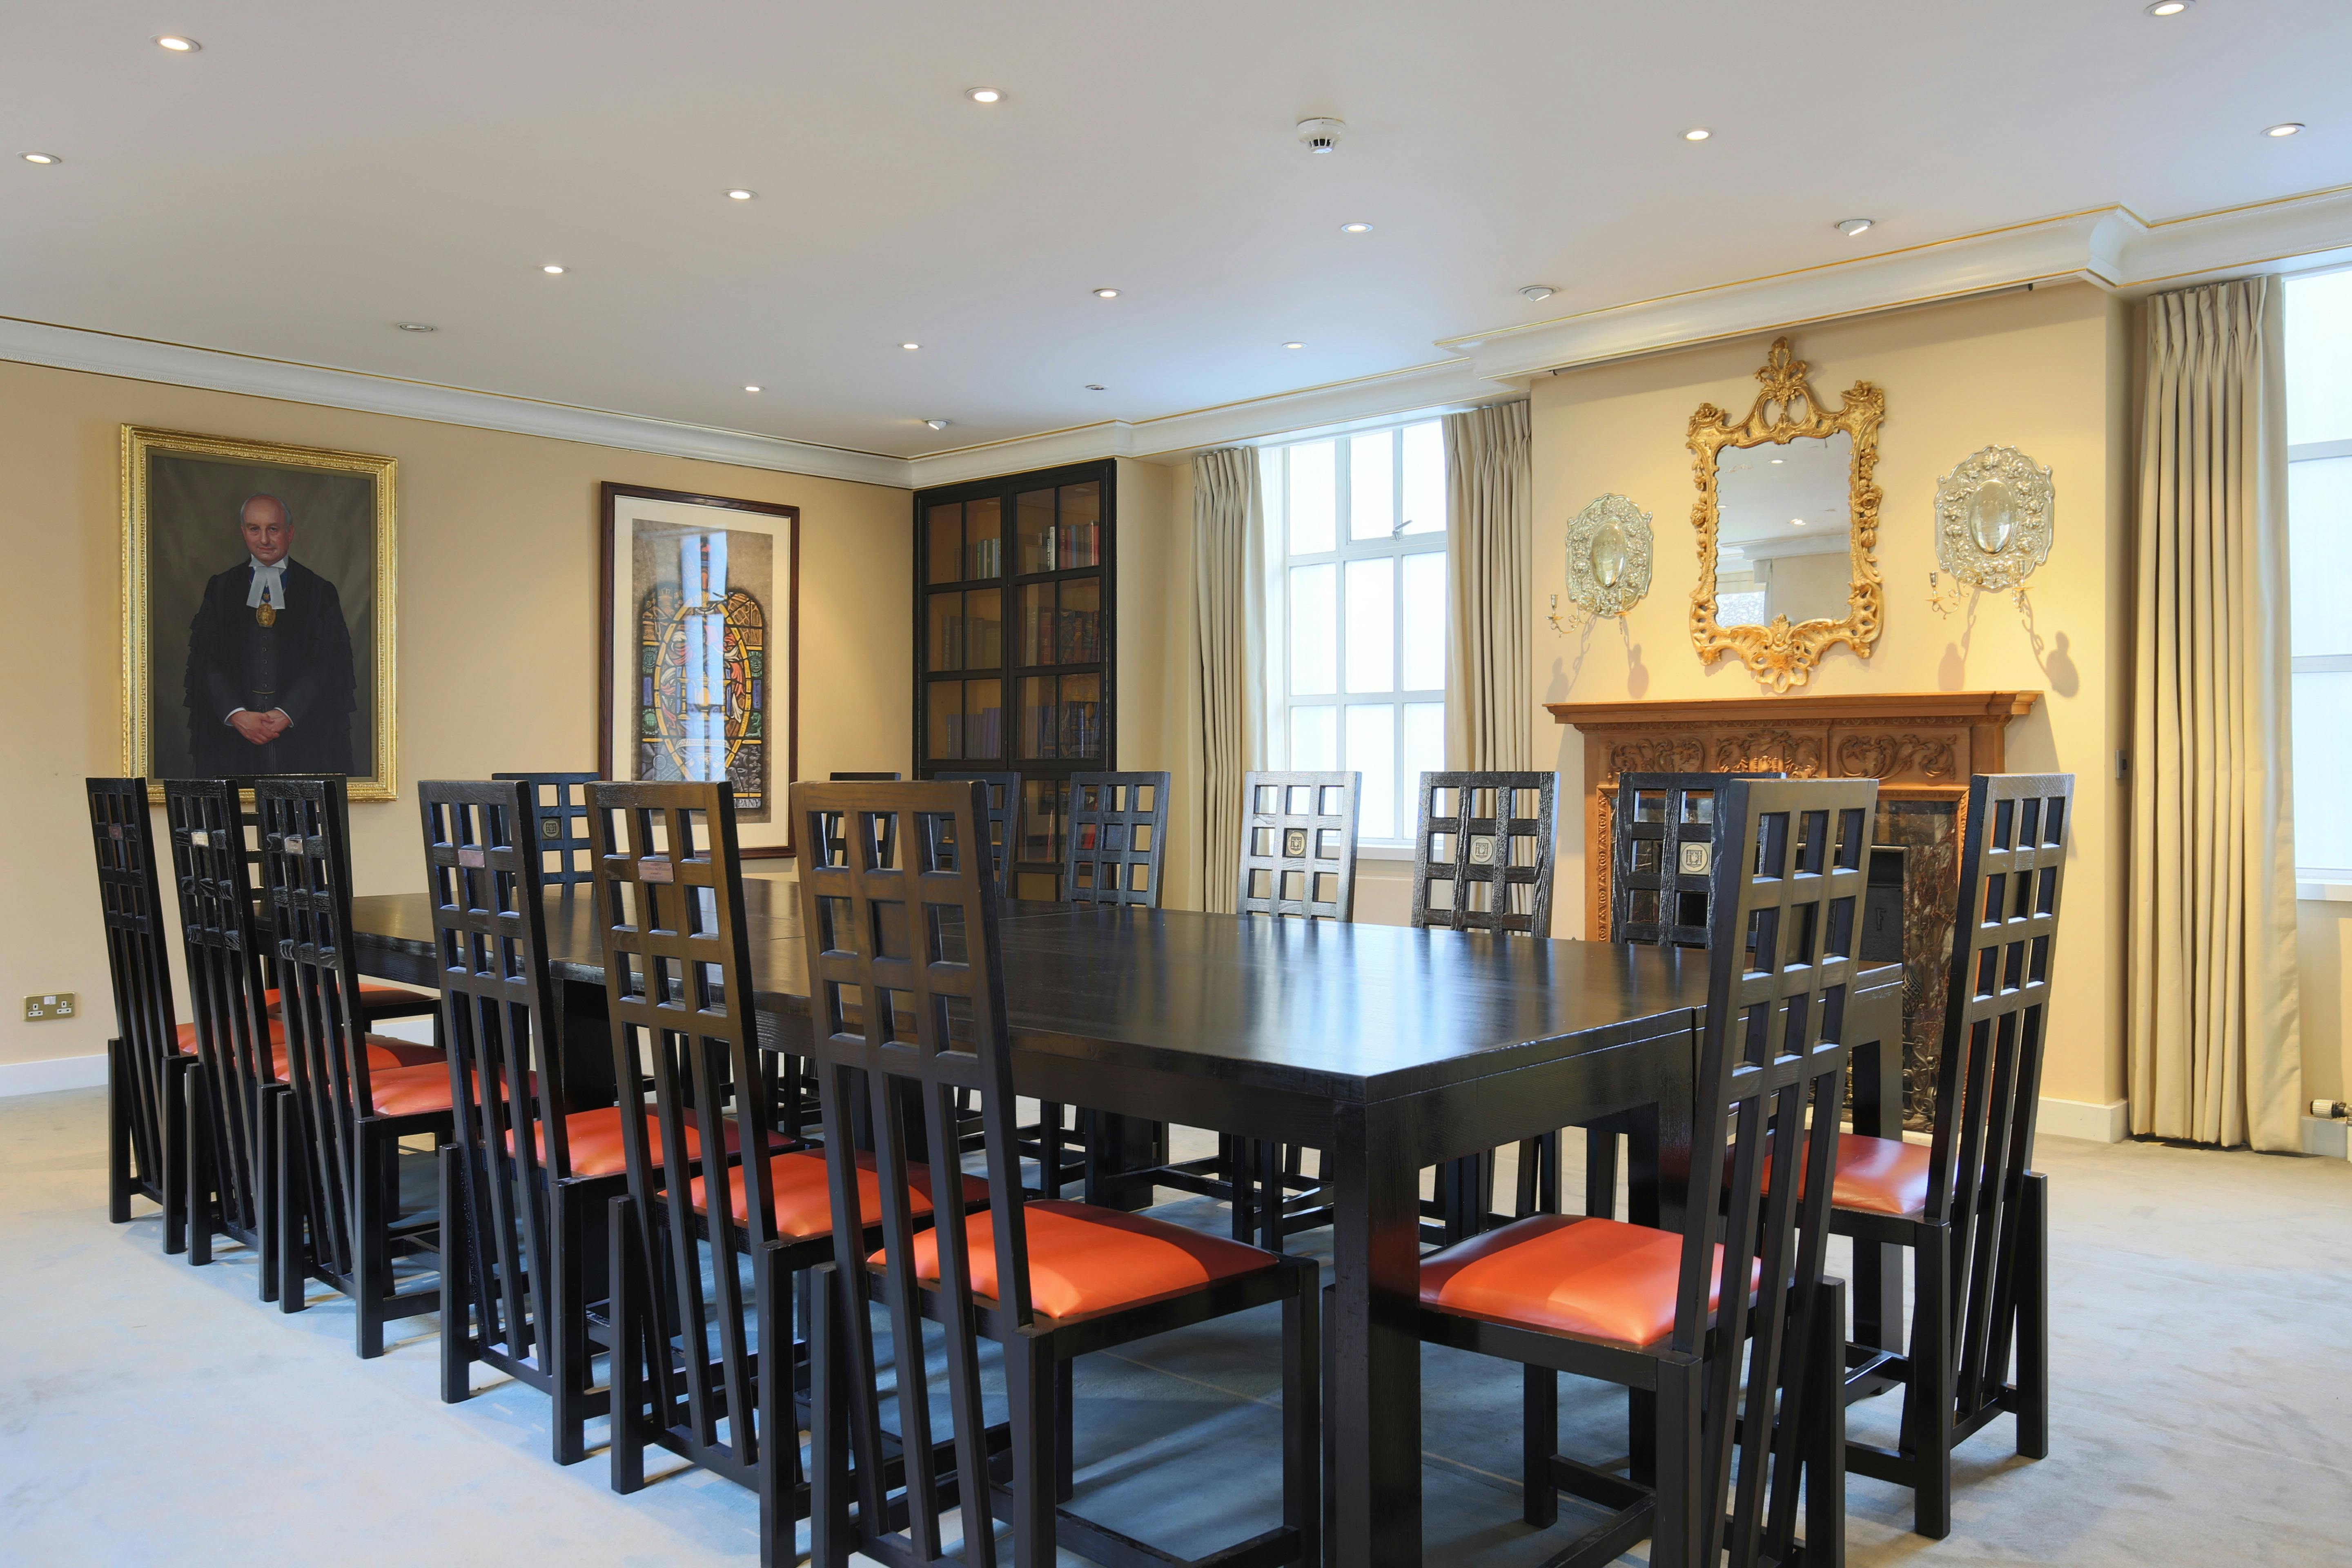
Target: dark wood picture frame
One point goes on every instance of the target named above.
(785, 759)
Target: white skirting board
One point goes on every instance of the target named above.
(52, 1075)
(2075, 1118)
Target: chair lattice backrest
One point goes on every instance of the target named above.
(1787, 916)
(483, 854)
(559, 823)
(138, 963)
(907, 1003)
(1118, 830)
(685, 1051)
(1483, 852)
(305, 861)
(1661, 852)
(1003, 818)
(1996, 1018)
(1298, 845)
(212, 861)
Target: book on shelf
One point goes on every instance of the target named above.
(978, 736)
(987, 558)
(1062, 636)
(1070, 545)
(971, 642)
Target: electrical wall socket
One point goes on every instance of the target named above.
(56, 1005)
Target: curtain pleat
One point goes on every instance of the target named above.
(1490, 691)
(2214, 1006)
(1229, 641)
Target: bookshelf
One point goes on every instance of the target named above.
(1015, 642)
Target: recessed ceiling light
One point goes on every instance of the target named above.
(1095, 386)
(2169, 7)
(1854, 227)
(983, 94)
(552, 269)
(1106, 293)
(1538, 292)
(2284, 128)
(751, 389)
(1294, 346)
(416, 326)
(739, 194)
(1697, 133)
(1797, 522)
(43, 158)
(1779, 459)
(1355, 228)
(938, 423)
(178, 45)
(910, 345)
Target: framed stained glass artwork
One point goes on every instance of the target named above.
(700, 603)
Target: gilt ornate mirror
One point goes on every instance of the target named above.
(1787, 519)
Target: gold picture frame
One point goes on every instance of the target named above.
(1783, 653)
(180, 539)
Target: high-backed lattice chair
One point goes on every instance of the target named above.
(148, 1059)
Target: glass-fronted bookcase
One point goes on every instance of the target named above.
(1014, 644)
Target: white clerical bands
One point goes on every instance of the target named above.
(269, 586)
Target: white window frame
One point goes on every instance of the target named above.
(2333, 882)
(1275, 487)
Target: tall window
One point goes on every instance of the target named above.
(2319, 563)
(1358, 526)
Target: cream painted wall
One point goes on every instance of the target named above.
(498, 549)
(2047, 372)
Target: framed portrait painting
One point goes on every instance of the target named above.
(701, 649)
(258, 610)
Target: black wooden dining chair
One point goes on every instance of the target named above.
(1969, 1205)
(1003, 824)
(1663, 838)
(528, 1178)
(1727, 1326)
(344, 1218)
(149, 1059)
(559, 823)
(1484, 851)
(908, 1001)
(690, 1274)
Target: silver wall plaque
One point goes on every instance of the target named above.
(1608, 556)
(1993, 517)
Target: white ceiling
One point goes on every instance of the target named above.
(318, 171)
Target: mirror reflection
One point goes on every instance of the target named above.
(1782, 544)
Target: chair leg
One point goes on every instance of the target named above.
(270, 1183)
(370, 1259)
(179, 1194)
(1538, 1441)
(1642, 1437)
(779, 1448)
(831, 1536)
(1928, 1396)
(2032, 1267)
(1302, 1415)
(628, 1376)
(292, 1203)
(1683, 1502)
(118, 1136)
(1824, 1440)
(1600, 1169)
(457, 1309)
(566, 1340)
(1029, 1378)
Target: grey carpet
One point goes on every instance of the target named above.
(151, 1413)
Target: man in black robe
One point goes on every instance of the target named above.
(269, 660)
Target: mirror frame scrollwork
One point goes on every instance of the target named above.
(1783, 653)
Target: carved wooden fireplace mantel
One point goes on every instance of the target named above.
(1920, 746)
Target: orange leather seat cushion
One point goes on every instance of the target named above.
(187, 1037)
(382, 1053)
(406, 1091)
(805, 1203)
(372, 998)
(1874, 1176)
(1599, 1279)
(594, 1139)
(1084, 1260)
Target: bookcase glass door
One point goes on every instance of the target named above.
(1015, 643)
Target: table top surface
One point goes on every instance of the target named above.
(1343, 1011)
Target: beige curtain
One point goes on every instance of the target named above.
(1229, 641)
(2216, 1054)
(1489, 689)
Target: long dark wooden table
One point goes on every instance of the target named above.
(1389, 1049)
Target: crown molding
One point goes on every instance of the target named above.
(2111, 246)
(215, 370)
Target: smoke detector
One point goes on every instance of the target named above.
(1538, 292)
(1321, 134)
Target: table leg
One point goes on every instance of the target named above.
(1374, 1414)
